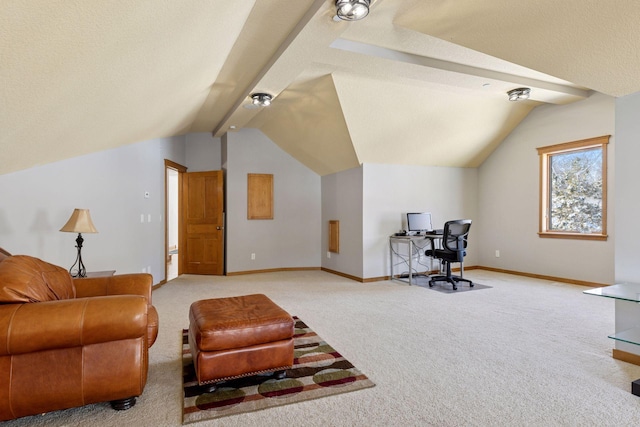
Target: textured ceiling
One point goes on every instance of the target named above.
(417, 82)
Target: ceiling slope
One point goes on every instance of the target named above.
(592, 43)
(80, 77)
(383, 130)
(406, 97)
(417, 82)
(252, 54)
(308, 123)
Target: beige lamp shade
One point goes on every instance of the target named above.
(80, 222)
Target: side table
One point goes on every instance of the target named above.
(100, 273)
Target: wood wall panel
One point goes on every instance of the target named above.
(259, 196)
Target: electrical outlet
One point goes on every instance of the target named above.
(497, 253)
(253, 257)
(328, 254)
(149, 269)
(142, 218)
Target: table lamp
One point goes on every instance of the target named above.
(80, 222)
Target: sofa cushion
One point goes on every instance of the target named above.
(28, 279)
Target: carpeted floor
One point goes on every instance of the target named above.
(526, 352)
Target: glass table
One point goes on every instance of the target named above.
(627, 296)
(623, 292)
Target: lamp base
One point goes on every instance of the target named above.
(80, 270)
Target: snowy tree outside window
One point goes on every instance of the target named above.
(573, 187)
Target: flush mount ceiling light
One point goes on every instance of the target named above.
(352, 10)
(519, 94)
(261, 99)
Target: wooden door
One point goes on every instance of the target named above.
(203, 223)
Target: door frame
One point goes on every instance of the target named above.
(168, 164)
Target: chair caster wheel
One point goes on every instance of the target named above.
(455, 288)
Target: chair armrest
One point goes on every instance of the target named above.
(121, 284)
(30, 327)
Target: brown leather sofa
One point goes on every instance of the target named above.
(70, 342)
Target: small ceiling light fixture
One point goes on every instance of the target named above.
(519, 94)
(352, 10)
(261, 99)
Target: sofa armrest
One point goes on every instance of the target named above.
(121, 284)
(30, 327)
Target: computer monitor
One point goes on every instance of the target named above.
(417, 222)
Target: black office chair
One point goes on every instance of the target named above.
(454, 245)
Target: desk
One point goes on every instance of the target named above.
(416, 245)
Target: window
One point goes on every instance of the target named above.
(573, 189)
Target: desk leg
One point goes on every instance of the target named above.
(410, 260)
(390, 260)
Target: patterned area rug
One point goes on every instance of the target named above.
(318, 371)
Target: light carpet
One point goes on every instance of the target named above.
(318, 371)
(527, 352)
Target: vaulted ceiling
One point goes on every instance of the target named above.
(417, 82)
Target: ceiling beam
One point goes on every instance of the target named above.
(239, 117)
(542, 91)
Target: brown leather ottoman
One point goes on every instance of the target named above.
(239, 336)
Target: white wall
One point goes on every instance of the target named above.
(390, 191)
(37, 202)
(509, 195)
(370, 201)
(342, 201)
(202, 152)
(627, 202)
(292, 238)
